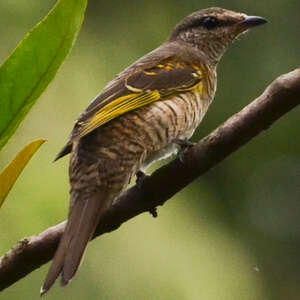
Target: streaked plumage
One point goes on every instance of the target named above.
(136, 119)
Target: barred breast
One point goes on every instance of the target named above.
(175, 118)
(133, 141)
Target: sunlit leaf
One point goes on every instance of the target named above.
(11, 173)
(34, 63)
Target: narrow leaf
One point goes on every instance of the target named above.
(11, 173)
(35, 61)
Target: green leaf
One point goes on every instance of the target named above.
(11, 173)
(35, 61)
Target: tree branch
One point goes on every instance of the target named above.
(279, 98)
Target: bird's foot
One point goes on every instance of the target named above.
(184, 144)
(140, 177)
(153, 212)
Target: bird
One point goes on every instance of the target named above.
(143, 115)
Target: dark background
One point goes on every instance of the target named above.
(234, 234)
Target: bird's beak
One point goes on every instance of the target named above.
(249, 22)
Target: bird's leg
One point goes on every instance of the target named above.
(140, 177)
(184, 145)
(153, 212)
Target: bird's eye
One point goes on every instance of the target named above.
(210, 22)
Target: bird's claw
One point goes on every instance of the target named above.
(184, 144)
(153, 212)
(140, 177)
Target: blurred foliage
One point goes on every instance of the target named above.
(35, 61)
(28, 71)
(234, 234)
(11, 173)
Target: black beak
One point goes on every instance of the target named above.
(251, 21)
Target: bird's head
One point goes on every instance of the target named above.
(212, 30)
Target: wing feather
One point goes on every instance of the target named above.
(119, 107)
(138, 89)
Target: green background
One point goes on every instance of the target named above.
(233, 234)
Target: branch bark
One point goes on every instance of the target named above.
(279, 98)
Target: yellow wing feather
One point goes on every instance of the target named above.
(118, 107)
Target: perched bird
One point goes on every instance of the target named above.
(139, 118)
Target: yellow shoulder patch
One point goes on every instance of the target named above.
(119, 107)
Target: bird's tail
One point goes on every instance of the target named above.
(82, 222)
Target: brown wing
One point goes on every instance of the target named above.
(138, 89)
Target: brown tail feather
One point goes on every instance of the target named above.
(80, 227)
(88, 223)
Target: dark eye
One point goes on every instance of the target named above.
(210, 22)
